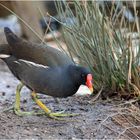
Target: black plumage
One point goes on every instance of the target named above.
(60, 81)
(34, 52)
(42, 69)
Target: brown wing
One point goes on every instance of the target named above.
(34, 52)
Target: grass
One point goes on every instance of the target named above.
(98, 44)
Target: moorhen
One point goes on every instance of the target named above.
(38, 53)
(34, 76)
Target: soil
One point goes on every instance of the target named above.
(92, 123)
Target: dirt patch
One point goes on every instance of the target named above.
(96, 120)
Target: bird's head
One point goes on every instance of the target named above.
(82, 76)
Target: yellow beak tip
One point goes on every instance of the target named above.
(91, 90)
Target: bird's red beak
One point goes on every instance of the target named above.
(89, 82)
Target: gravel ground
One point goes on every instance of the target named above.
(90, 124)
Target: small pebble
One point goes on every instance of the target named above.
(22, 108)
(35, 129)
(8, 86)
(27, 128)
(25, 101)
(37, 134)
(3, 93)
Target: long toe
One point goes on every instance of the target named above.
(57, 115)
(23, 113)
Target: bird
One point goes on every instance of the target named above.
(43, 78)
(34, 52)
(38, 53)
(37, 57)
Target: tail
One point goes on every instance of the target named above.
(8, 59)
(10, 36)
(4, 56)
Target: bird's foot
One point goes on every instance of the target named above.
(57, 115)
(54, 115)
(8, 109)
(24, 113)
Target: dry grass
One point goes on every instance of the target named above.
(124, 122)
(96, 41)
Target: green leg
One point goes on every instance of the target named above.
(16, 107)
(51, 114)
(17, 99)
(17, 103)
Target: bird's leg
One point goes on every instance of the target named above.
(39, 103)
(47, 110)
(17, 100)
(17, 103)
